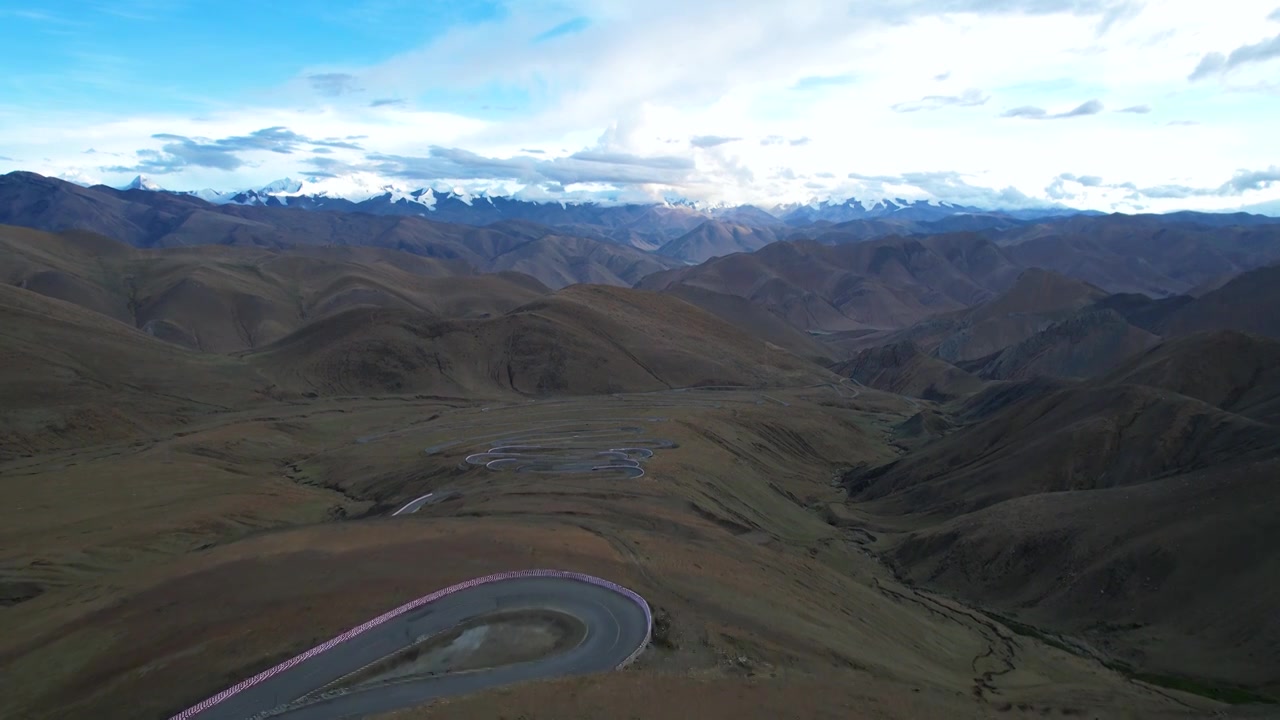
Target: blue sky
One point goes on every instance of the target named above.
(182, 55)
(1158, 105)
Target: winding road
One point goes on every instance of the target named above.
(618, 626)
(616, 450)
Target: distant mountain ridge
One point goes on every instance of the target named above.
(482, 209)
(566, 243)
(684, 231)
(859, 286)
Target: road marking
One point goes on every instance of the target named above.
(419, 502)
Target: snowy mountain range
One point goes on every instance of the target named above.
(357, 193)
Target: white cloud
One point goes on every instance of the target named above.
(1215, 63)
(710, 141)
(1031, 112)
(968, 98)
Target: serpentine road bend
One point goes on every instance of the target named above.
(617, 621)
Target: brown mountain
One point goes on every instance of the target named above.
(582, 340)
(1081, 438)
(560, 261)
(1150, 254)
(644, 227)
(886, 283)
(72, 377)
(222, 299)
(1234, 371)
(1050, 325)
(1245, 303)
(1143, 311)
(1129, 516)
(1087, 344)
(753, 320)
(903, 369)
(161, 220)
(715, 238)
(1036, 300)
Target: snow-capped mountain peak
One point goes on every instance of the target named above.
(285, 186)
(142, 182)
(209, 195)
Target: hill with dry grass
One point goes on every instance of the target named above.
(754, 320)
(1036, 300)
(1240, 304)
(72, 377)
(903, 369)
(889, 283)
(560, 261)
(715, 238)
(1119, 512)
(1086, 344)
(223, 299)
(1234, 371)
(583, 340)
(1044, 325)
(1148, 254)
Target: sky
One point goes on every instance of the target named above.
(1113, 105)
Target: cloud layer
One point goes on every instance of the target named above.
(1032, 112)
(969, 98)
(719, 101)
(1215, 63)
(179, 152)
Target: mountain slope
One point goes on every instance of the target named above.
(1081, 438)
(1234, 371)
(1123, 514)
(1149, 254)
(753, 320)
(1242, 304)
(1172, 577)
(583, 340)
(1035, 301)
(715, 238)
(903, 369)
(1087, 344)
(71, 377)
(222, 299)
(887, 283)
(561, 261)
(1142, 311)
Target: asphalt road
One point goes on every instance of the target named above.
(616, 627)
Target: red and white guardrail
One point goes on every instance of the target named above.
(415, 604)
